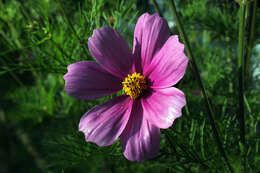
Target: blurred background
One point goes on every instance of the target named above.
(39, 120)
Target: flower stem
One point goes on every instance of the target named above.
(11, 73)
(71, 27)
(155, 4)
(251, 41)
(240, 66)
(241, 113)
(197, 75)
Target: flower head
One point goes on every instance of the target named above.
(134, 85)
(146, 76)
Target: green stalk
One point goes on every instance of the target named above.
(63, 52)
(241, 113)
(197, 75)
(240, 67)
(12, 74)
(251, 41)
(155, 4)
(71, 27)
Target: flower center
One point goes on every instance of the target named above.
(134, 84)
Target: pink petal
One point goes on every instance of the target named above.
(111, 51)
(151, 32)
(87, 80)
(168, 65)
(140, 140)
(103, 124)
(162, 106)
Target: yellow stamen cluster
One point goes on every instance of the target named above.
(134, 84)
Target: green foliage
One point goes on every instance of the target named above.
(39, 39)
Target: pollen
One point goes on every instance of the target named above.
(134, 85)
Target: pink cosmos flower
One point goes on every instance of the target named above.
(146, 76)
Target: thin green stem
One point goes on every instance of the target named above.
(187, 153)
(62, 50)
(12, 74)
(240, 67)
(71, 27)
(251, 41)
(210, 113)
(155, 4)
(4, 53)
(241, 110)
